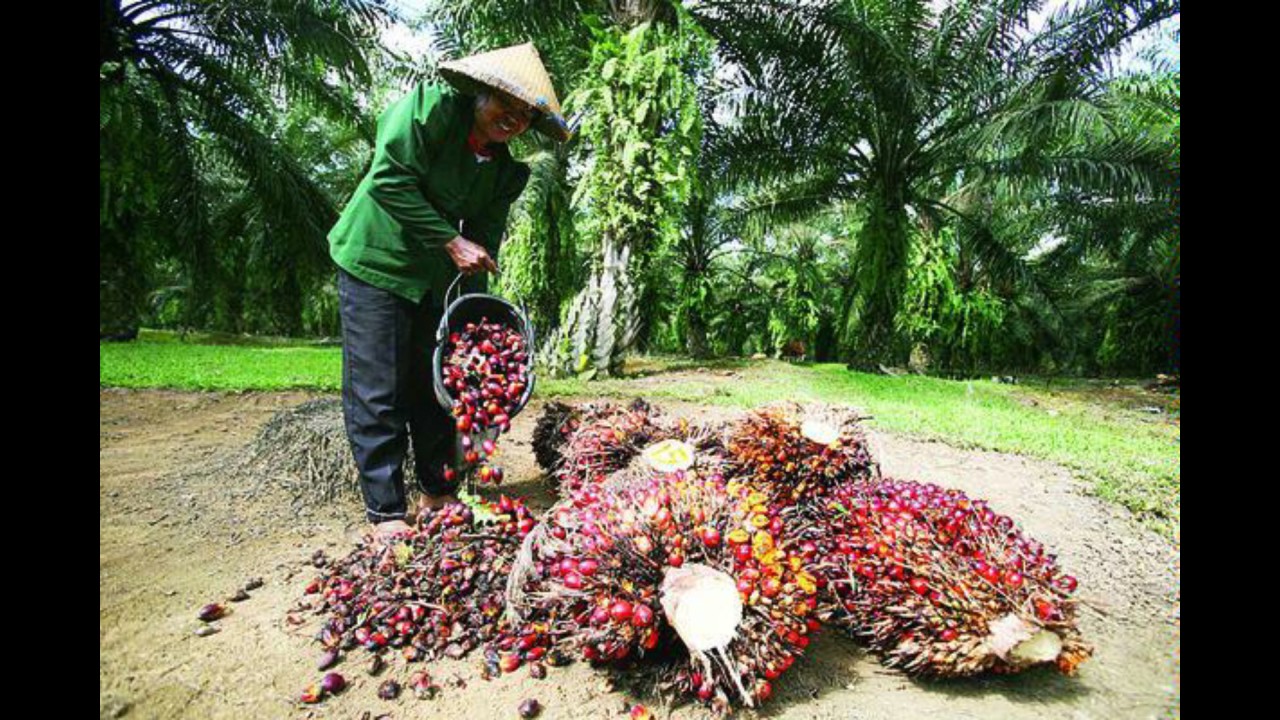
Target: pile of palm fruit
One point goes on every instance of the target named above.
(713, 552)
(935, 582)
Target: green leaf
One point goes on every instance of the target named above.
(403, 553)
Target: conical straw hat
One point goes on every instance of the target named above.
(517, 71)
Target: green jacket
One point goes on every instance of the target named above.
(424, 188)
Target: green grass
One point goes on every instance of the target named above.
(1101, 431)
(159, 360)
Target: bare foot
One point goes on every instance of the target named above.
(386, 532)
(435, 502)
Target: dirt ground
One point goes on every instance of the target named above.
(174, 535)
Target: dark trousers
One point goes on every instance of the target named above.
(387, 397)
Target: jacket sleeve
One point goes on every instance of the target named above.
(408, 134)
(487, 228)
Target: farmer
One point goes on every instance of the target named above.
(433, 204)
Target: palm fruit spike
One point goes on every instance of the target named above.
(644, 550)
(938, 583)
(602, 440)
(791, 451)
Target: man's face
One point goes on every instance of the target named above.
(500, 117)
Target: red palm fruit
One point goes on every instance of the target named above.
(620, 611)
(710, 536)
(588, 567)
(333, 682)
(211, 612)
(312, 693)
(764, 690)
(1045, 610)
(650, 640)
(642, 615)
(770, 587)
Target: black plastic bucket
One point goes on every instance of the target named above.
(474, 307)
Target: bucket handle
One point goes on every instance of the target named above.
(446, 329)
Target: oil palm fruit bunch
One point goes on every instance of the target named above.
(551, 431)
(679, 564)
(438, 589)
(603, 438)
(793, 451)
(936, 582)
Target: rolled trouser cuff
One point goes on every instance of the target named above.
(376, 517)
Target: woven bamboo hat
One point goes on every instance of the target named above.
(517, 71)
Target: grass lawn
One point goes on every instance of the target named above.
(1124, 439)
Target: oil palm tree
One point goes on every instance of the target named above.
(907, 107)
(185, 85)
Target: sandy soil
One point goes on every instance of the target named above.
(175, 533)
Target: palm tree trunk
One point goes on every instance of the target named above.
(882, 275)
(696, 333)
(603, 320)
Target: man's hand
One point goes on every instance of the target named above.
(470, 257)
(385, 532)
